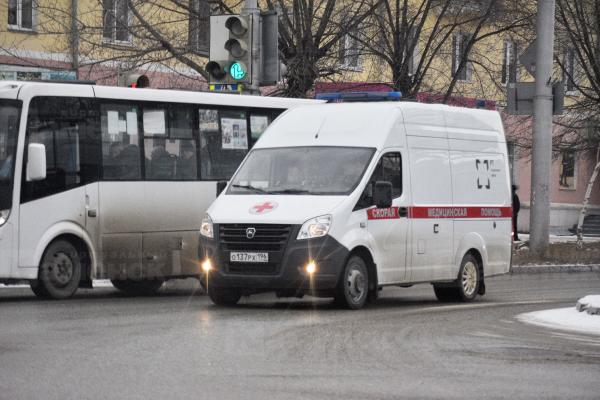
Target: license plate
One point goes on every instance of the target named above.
(249, 257)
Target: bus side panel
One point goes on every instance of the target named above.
(121, 218)
(38, 217)
(172, 215)
(159, 223)
(480, 179)
(121, 256)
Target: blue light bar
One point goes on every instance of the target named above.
(336, 97)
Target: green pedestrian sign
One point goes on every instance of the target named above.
(237, 70)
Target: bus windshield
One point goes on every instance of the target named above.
(9, 129)
(302, 171)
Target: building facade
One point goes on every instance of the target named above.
(104, 40)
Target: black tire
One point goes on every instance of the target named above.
(446, 294)
(227, 297)
(59, 272)
(466, 286)
(147, 287)
(352, 290)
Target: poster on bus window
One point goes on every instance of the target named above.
(209, 120)
(234, 133)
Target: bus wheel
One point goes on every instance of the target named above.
(59, 272)
(353, 287)
(224, 296)
(146, 287)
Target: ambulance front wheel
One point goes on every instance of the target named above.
(353, 287)
(224, 296)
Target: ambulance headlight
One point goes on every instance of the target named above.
(206, 227)
(314, 228)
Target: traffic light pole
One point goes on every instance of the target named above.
(251, 8)
(539, 218)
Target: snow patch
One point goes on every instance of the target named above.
(568, 319)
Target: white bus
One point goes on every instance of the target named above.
(110, 183)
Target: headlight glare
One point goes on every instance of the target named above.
(206, 227)
(315, 227)
(4, 216)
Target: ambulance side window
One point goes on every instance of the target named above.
(389, 168)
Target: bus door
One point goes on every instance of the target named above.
(65, 126)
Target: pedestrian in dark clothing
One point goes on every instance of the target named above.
(516, 206)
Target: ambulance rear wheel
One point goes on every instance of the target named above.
(224, 296)
(353, 287)
(469, 278)
(466, 286)
(446, 294)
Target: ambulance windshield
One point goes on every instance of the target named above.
(302, 170)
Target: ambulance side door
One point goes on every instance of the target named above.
(388, 227)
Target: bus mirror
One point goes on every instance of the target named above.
(382, 194)
(36, 162)
(221, 185)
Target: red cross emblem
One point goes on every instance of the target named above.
(263, 208)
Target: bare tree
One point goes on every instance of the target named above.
(310, 32)
(578, 34)
(431, 45)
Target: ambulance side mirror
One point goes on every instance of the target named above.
(382, 194)
(221, 185)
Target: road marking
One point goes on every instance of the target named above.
(488, 305)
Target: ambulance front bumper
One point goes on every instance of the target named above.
(286, 266)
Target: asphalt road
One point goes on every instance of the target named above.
(102, 345)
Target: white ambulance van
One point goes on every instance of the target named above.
(340, 200)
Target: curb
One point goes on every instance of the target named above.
(544, 269)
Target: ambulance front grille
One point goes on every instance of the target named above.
(267, 237)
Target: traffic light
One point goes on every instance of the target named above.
(230, 49)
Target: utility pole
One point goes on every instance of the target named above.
(251, 9)
(539, 219)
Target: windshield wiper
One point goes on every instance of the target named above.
(291, 191)
(250, 187)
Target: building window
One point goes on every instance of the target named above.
(570, 70)
(460, 42)
(199, 26)
(509, 63)
(349, 51)
(567, 170)
(116, 21)
(20, 14)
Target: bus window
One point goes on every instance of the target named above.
(258, 124)
(169, 143)
(64, 126)
(224, 142)
(120, 142)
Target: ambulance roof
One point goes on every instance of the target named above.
(371, 124)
